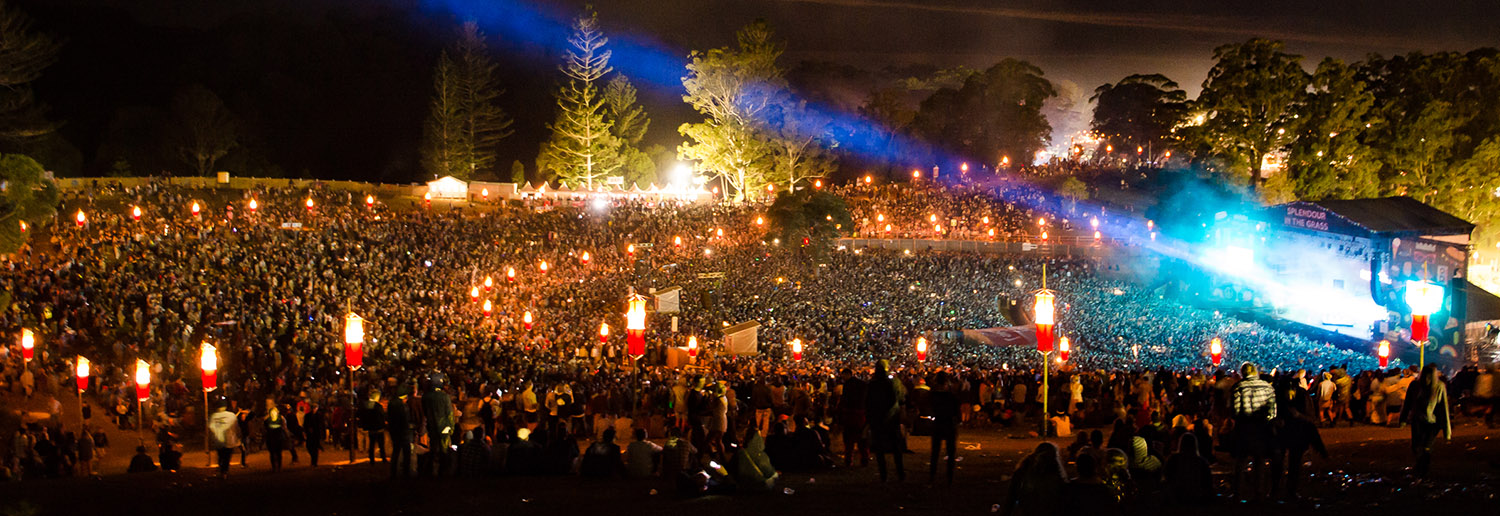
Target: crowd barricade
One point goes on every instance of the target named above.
(245, 183)
(1076, 250)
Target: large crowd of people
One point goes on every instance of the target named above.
(492, 314)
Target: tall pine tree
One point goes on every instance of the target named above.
(628, 124)
(443, 149)
(24, 53)
(582, 149)
(466, 124)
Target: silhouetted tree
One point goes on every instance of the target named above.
(204, 129)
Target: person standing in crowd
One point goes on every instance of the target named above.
(851, 410)
(1487, 392)
(223, 437)
(944, 425)
(528, 404)
(275, 433)
(28, 382)
(314, 429)
(86, 451)
(293, 430)
(1395, 397)
(398, 426)
(487, 405)
(760, 400)
(1343, 397)
(372, 421)
(1253, 403)
(883, 408)
(437, 411)
(1326, 389)
(1296, 432)
(242, 417)
(1426, 410)
(1075, 395)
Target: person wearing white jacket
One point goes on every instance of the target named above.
(223, 436)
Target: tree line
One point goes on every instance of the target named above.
(758, 134)
(1420, 125)
(1424, 125)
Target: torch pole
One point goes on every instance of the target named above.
(78, 390)
(140, 418)
(206, 450)
(353, 437)
(1045, 366)
(1045, 384)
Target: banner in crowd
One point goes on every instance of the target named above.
(668, 299)
(740, 339)
(1004, 336)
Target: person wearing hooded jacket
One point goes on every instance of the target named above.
(752, 467)
(1426, 410)
(883, 401)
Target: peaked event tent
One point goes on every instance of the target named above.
(448, 187)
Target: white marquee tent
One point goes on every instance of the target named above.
(448, 187)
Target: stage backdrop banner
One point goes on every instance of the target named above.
(740, 339)
(1004, 336)
(668, 299)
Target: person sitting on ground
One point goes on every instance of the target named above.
(1189, 480)
(780, 448)
(1089, 494)
(810, 448)
(602, 458)
(560, 455)
(752, 467)
(641, 456)
(473, 454)
(1080, 442)
(524, 455)
(1117, 475)
(1145, 467)
(141, 462)
(1037, 485)
(677, 456)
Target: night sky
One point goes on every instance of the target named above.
(338, 88)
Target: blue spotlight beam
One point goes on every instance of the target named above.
(654, 65)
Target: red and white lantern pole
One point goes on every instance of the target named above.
(354, 357)
(1215, 351)
(142, 393)
(635, 327)
(208, 360)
